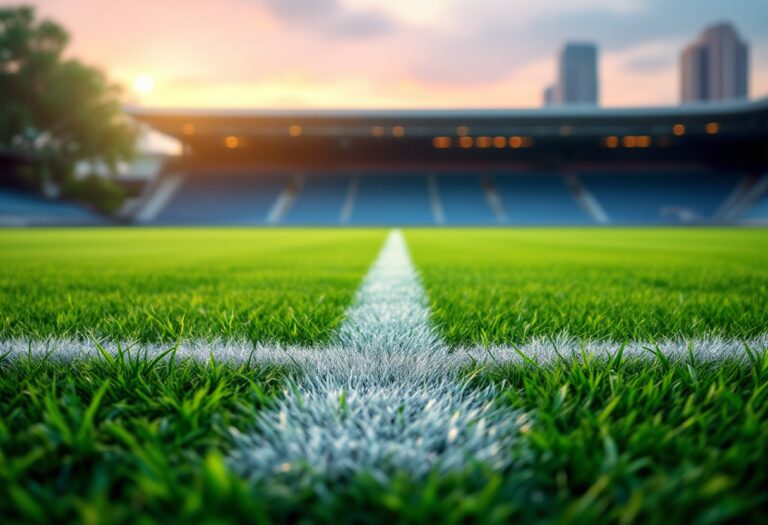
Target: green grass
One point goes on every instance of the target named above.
(134, 440)
(161, 284)
(619, 441)
(120, 440)
(648, 441)
(508, 286)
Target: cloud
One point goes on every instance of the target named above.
(331, 18)
(651, 63)
(498, 40)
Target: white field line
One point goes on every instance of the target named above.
(382, 401)
(542, 351)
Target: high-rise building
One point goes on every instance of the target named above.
(715, 66)
(577, 74)
(548, 97)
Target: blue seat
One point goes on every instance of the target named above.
(660, 198)
(19, 208)
(320, 200)
(463, 199)
(758, 212)
(392, 199)
(538, 198)
(223, 199)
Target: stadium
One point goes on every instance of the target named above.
(464, 315)
(562, 166)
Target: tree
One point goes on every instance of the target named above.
(54, 110)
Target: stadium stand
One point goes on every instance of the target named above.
(660, 198)
(387, 198)
(223, 198)
(422, 198)
(22, 209)
(757, 203)
(320, 200)
(538, 198)
(692, 164)
(464, 200)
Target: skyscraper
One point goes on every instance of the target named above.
(548, 96)
(577, 74)
(715, 66)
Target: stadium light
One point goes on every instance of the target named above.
(484, 142)
(442, 142)
(466, 142)
(629, 141)
(644, 141)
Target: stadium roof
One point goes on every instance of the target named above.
(183, 123)
(699, 109)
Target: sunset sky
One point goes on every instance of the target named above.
(391, 53)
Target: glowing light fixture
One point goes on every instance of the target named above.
(462, 131)
(499, 142)
(713, 128)
(484, 142)
(466, 142)
(611, 142)
(442, 142)
(644, 141)
(232, 142)
(398, 131)
(377, 131)
(188, 129)
(294, 130)
(678, 130)
(515, 142)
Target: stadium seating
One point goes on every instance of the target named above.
(758, 213)
(538, 198)
(384, 198)
(660, 198)
(23, 209)
(223, 198)
(464, 200)
(320, 200)
(422, 198)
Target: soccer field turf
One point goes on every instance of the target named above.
(508, 286)
(380, 421)
(157, 285)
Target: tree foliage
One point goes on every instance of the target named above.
(55, 109)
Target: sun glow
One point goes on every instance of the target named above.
(143, 84)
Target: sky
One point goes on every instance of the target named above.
(391, 53)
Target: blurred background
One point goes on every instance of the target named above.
(333, 112)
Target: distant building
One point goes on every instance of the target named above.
(577, 74)
(576, 77)
(715, 66)
(549, 95)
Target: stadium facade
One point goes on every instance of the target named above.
(699, 164)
